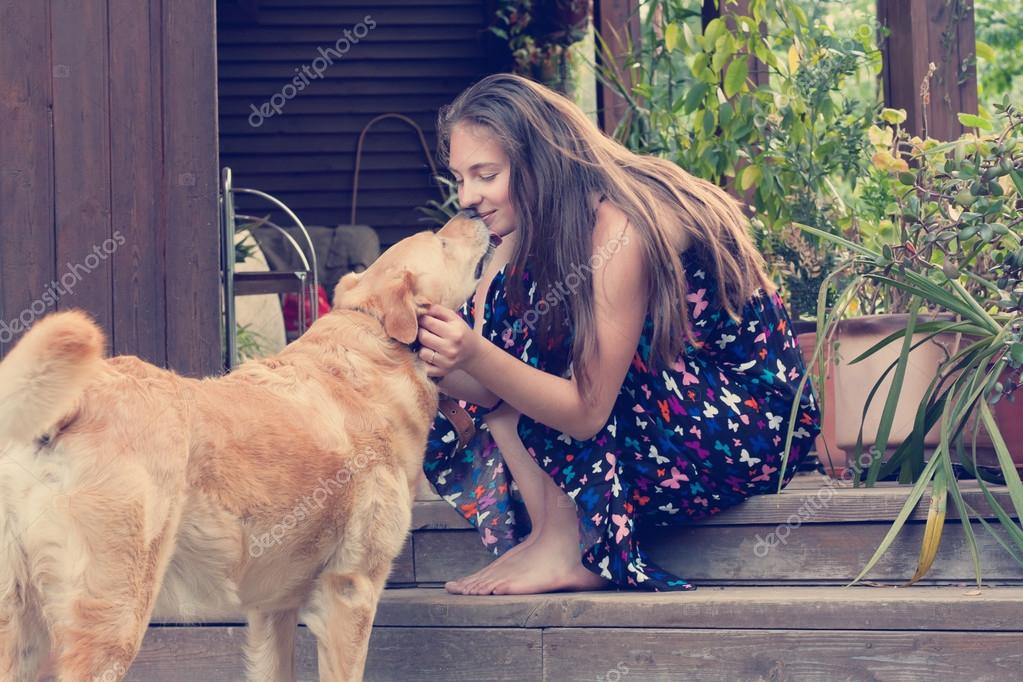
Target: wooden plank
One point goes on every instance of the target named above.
(189, 188)
(727, 655)
(384, 164)
(139, 307)
(357, 68)
(403, 571)
(379, 199)
(444, 654)
(307, 104)
(81, 162)
(809, 505)
(317, 35)
(27, 240)
(778, 554)
(304, 53)
(270, 145)
(346, 17)
(340, 122)
(366, 6)
(307, 180)
(753, 608)
(214, 654)
(259, 86)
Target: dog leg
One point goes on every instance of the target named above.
(99, 611)
(270, 650)
(24, 642)
(341, 617)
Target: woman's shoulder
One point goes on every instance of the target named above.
(612, 227)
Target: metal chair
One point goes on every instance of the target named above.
(252, 283)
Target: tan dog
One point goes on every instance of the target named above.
(285, 486)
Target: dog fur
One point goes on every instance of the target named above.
(282, 490)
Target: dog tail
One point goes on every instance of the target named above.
(44, 375)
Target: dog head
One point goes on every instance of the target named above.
(440, 267)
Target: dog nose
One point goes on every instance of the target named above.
(471, 213)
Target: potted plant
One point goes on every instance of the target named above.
(955, 251)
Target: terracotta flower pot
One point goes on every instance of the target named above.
(1009, 418)
(830, 455)
(854, 382)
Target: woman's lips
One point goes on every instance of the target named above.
(486, 217)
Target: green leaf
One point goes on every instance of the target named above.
(671, 36)
(972, 121)
(750, 177)
(1012, 480)
(713, 31)
(694, 97)
(721, 57)
(893, 116)
(690, 38)
(985, 51)
(735, 78)
(1016, 352)
(900, 519)
(1017, 180)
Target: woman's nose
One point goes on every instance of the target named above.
(467, 198)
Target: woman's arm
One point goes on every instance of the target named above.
(620, 302)
(460, 385)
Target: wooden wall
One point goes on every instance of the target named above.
(414, 56)
(108, 173)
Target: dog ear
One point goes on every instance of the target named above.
(344, 285)
(401, 308)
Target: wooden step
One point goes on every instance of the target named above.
(731, 633)
(815, 532)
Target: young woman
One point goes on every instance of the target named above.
(626, 359)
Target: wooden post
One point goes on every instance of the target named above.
(617, 22)
(923, 32)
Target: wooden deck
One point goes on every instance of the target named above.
(780, 616)
(727, 633)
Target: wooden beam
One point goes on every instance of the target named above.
(617, 22)
(922, 32)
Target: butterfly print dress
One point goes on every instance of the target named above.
(682, 443)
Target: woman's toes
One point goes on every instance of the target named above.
(484, 587)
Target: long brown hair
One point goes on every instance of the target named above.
(559, 161)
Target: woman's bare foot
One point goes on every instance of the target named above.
(544, 567)
(550, 563)
(458, 586)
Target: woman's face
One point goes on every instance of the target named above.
(482, 171)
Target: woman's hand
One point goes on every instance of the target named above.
(448, 343)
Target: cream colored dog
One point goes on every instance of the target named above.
(284, 487)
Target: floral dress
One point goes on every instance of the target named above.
(681, 443)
